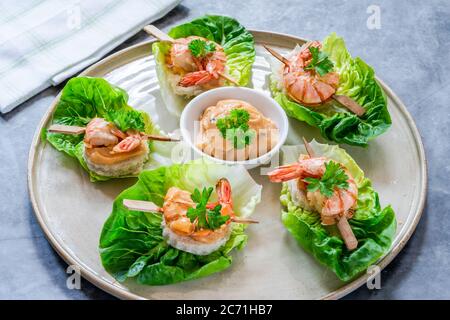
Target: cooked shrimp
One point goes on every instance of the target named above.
(223, 190)
(180, 56)
(342, 202)
(307, 86)
(306, 167)
(196, 70)
(176, 204)
(101, 133)
(131, 142)
(210, 69)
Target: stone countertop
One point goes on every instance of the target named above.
(409, 52)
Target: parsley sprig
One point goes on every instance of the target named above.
(319, 62)
(200, 48)
(235, 128)
(206, 219)
(333, 177)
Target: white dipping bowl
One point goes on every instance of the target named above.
(264, 103)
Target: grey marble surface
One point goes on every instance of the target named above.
(410, 52)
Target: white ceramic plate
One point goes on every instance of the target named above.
(71, 210)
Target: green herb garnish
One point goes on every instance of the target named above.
(207, 219)
(319, 62)
(200, 48)
(333, 177)
(235, 128)
(215, 218)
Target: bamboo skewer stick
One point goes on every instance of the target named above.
(344, 227)
(350, 104)
(243, 220)
(159, 138)
(347, 233)
(158, 34)
(148, 206)
(228, 78)
(347, 102)
(309, 150)
(60, 128)
(162, 36)
(277, 55)
(139, 205)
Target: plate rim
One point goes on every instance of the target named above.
(125, 294)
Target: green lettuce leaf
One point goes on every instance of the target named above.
(131, 242)
(357, 81)
(84, 98)
(236, 41)
(373, 226)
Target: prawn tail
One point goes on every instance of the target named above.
(285, 173)
(196, 78)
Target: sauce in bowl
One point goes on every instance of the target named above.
(235, 130)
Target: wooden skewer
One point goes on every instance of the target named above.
(158, 34)
(347, 233)
(309, 150)
(347, 102)
(306, 45)
(60, 128)
(139, 205)
(242, 220)
(162, 36)
(350, 104)
(148, 206)
(344, 227)
(277, 55)
(227, 77)
(159, 138)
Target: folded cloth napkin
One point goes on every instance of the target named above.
(44, 42)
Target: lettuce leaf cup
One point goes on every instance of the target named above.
(356, 81)
(373, 226)
(83, 99)
(132, 244)
(225, 32)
